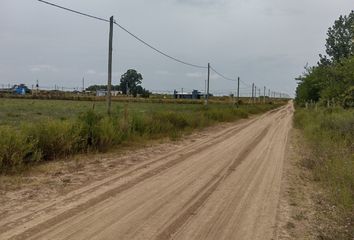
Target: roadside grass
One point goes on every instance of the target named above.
(65, 128)
(330, 135)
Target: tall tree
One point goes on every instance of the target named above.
(130, 81)
(340, 38)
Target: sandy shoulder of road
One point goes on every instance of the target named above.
(304, 210)
(296, 210)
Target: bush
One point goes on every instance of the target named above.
(52, 138)
(87, 125)
(15, 149)
(108, 134)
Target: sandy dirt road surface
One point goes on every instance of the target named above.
(224, 185)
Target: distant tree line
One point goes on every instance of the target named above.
(332, 79)
(130, 84)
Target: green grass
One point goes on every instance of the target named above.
(15, 111)
(330, 135)
(42, 130)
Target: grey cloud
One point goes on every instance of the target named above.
(266, 42)
(43, 68)
(163, 72)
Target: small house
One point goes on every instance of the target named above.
(194, 95)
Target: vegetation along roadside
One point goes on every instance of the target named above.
(325, 116)
(24, 143)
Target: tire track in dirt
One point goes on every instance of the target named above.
(229, 222)
(203, 194)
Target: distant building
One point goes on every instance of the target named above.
(20, 89)
(102, 93)
(194, 95)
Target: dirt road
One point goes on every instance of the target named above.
(224, 185)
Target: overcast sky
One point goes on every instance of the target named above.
(267, 42)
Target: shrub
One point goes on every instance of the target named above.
(87, 125)
(15, 150)
(52, 138)
(108, 134)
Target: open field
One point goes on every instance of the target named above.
(41, 130)
(16, 111)
(223, 183)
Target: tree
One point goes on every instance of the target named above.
(130, 81)
(308, 88)
(327, 82)
(143, 92)
(340, 40)
(332, 79)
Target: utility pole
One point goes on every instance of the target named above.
(110, 48)
(83, 84)
(259, 95)
(37, 87)
(264, 100)
(255, 94)
(238, 90)
(208, 79)
(252, 92)
(269, 93)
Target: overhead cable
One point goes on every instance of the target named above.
(127, 31)
(157, 50)
(221, 75)
(74, 11)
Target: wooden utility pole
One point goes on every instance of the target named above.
(208, 79)
(238, 90)
(110, 48)
(255, 94)
(264, 100)
(259, 95)
(252, 92)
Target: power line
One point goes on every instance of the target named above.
(144, 42)
(246, 84)
(223, 76)
(127, 31)
(74, 11)
(157, 50)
